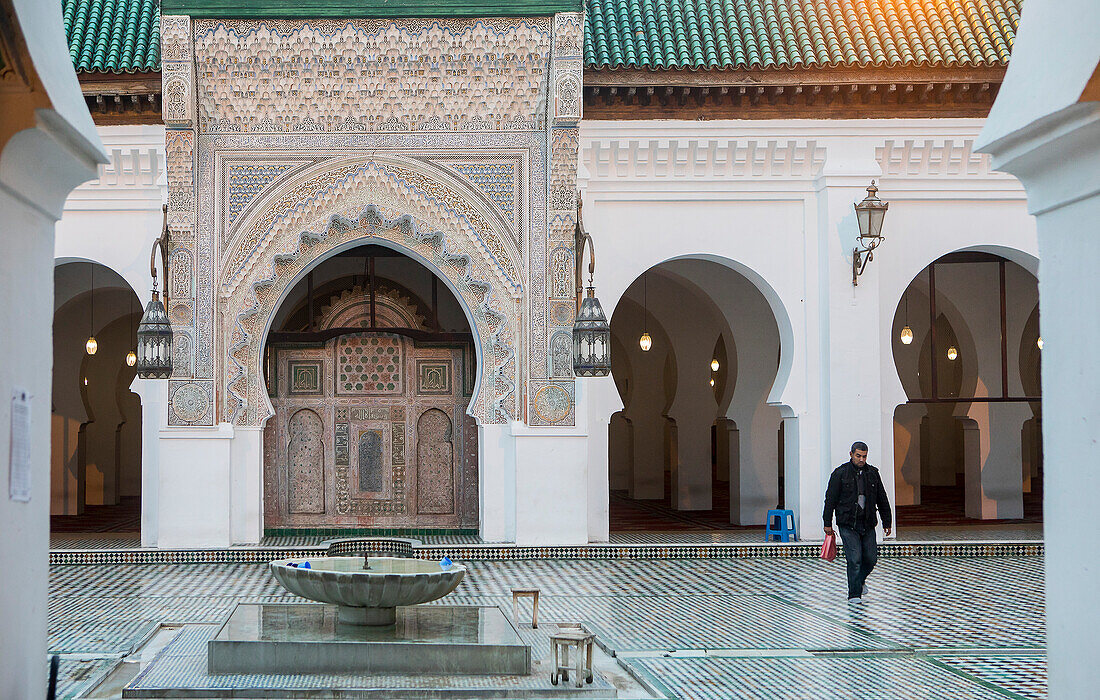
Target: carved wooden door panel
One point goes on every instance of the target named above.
(370, 431)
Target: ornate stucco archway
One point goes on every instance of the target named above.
(391, 202)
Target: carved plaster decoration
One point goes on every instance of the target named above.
(701, 158)
(282, 263)
(419, 193)
(177, 71)
(372, 75)
(190, 403)
(929, 158)
(551, 403)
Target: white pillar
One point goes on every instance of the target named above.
(852, 328)
(154, 415)
(48, 146)
(1051, 141)
(603, 401)
(497, 482)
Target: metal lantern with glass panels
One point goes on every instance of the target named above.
(869, 215)
(154, 346)
(591, 334)
(154, 333)
(591, 339)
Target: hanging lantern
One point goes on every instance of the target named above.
(154, 350)
(714, 365)
(645, 342)
(906, 335)
(591, 339)
(1039, 343)
(92, 345)
(952, 352)
(131, 358)
(591, 334)
(154, 333)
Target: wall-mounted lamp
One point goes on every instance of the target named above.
(591, 334)
(952, 352)
(1039, 343)
(154, 333)
(869, 214)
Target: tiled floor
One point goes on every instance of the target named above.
(725, 628)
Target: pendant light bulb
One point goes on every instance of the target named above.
(92, 345)
(131, 359)
(85, 381)
(714, 365)
(645, 342)
(712, 382)
(1039, 342)
(952, 352)
(906, 335)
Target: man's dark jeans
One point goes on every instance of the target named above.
(861, 551)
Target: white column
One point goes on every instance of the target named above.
(48, 146)
(154, 418)
(603, 400)
(497, 482)
(852, 329)
(1057, 157)
(247, 485)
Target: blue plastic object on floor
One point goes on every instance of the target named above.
(780, 525)
(304, 565)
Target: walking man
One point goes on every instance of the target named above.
(855, 491)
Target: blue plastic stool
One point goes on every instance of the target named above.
(777, 526)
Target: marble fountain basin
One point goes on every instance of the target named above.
(368, 596)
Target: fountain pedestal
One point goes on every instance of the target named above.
(310, 638)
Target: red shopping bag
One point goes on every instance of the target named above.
(828, 548)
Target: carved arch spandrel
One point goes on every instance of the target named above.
(426, 191)
(494, 314)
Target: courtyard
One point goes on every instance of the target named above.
(931, 627)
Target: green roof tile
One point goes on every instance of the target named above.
(113, 36)
(753, 34)
(122, 36)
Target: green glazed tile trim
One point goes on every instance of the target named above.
(124, 35)
(259, 9)
(762, 34)
(113, 36)
(364, 532)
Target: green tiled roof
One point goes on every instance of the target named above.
(747, 34)
(113, 36)
(122, 36)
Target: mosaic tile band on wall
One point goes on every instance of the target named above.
(412, 548)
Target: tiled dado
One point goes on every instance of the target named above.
(496, 552)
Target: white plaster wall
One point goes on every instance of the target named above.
(114, 219)
(773, 200)
(195, 487)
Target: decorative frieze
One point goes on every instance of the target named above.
(927, 158)
(689, 157)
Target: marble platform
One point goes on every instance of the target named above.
(283, 638)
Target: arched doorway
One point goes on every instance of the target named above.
(697, 446)
(370, 368)
(968, 442)
(95, 468)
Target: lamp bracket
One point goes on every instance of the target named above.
(163, 242)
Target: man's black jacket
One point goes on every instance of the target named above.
(843, 497)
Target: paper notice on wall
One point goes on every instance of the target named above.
(19, 457)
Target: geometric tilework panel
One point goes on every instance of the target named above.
(496, 179)
(246, 181)
(798, 678)
(684, 603)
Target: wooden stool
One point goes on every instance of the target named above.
(561, 643)
(532, 593)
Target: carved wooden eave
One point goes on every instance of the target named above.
(122, 98)
(829, 93)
